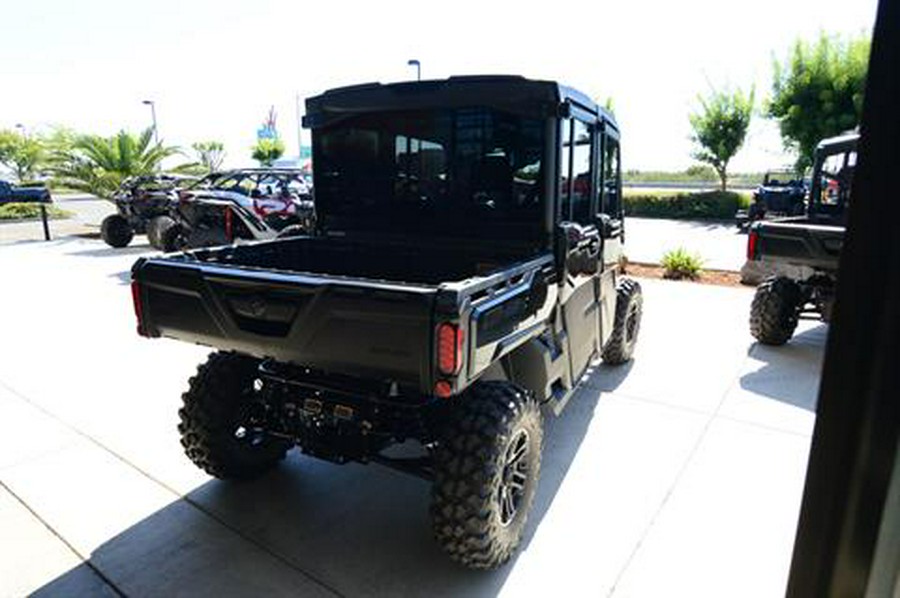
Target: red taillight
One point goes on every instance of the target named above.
(138, 307)
(450, 346)
(752, 239)
(229, 224)
(443, 389)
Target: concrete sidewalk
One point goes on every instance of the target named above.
(87, 214)
(679, 474)
(720, 245)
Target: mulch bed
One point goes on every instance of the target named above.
(716, 277)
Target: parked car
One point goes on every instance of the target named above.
(248, 204)
(10, 193)
(142, 206)
(782, 193)
(811, 243)
(458, 287)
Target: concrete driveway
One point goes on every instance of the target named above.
(677, 475)
(719, 244)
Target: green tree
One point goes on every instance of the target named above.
(610, 106)
(210, 154)
(818, 92)
(98, 165)
(59, 139)
(20, 154)
(720, 127)
(266, 151)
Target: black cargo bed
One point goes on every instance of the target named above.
(406, 263)
(311, 302)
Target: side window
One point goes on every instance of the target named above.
(565, 163)
(421, 169)
(837, 178)
(610, 202)
(581, 173)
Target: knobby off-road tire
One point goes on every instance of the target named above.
(155, 227)
(116, 231)
(486, 470)
(170, 235)
(218, 406)
(775, 310)
(629, 308)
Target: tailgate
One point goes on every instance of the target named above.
(355, 327)
(813, 245)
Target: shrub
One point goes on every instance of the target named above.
(679, 264)
(98, 165)
(23, 211)
(709, 205)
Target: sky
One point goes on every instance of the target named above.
(215, 67)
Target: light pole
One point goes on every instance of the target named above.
(418, 66)
(299, 129)
(153, 114)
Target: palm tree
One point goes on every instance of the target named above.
(98, 165)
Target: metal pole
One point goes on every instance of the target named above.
(44, 221)
(155, 127)
(152, 105)
(414, 62)
(299, 129)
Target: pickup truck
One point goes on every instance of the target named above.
(10, 193)
(462, 276)
(807, 246)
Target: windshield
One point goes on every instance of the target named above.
(782, 178)
(423, 171)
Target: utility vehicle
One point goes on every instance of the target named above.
(782, 193)
(811, 244)
(142, 206)
(462, 277)
(245, 204)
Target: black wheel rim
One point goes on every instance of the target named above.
(249, 429)
(511, 492)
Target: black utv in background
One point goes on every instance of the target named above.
(782, 193)
(142, 206)
(462, 278)
(810, 244)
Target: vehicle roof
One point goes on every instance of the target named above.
(279, 169)
(843, 141)
(460, 91)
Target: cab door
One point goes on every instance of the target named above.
(580, 244)
(610, 222)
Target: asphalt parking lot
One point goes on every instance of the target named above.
(679, 475)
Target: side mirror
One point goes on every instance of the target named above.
(604, 225)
